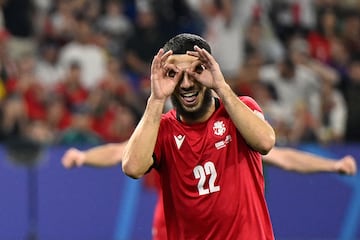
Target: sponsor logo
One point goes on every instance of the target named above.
(219, 128)
(179, 139)
(223, 143)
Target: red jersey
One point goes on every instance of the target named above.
(212, 181)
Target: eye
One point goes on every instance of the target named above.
(199, 68)
(171, 73)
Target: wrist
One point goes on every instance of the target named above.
(223, 90)
(152, 100)
(81, 159)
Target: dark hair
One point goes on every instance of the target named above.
(185, 42)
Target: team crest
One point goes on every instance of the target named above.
(219, 128)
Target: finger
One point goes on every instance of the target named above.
(353, 164)
(156, 62)
(204, 54)
(79, 157)
(348, 165)
(67, 161)
(197, 65)
(171, 66)
(193, 53)
(166, 55)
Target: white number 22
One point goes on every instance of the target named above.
(200, 173)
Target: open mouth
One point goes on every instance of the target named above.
(189, 98)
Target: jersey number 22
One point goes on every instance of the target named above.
(201, 173)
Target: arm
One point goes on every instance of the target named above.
(107, 155)
(138, 153)
(291, 159)
(255, 130)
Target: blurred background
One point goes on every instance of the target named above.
(76, 73)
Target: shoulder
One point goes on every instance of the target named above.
(168, 118)
(250, 102)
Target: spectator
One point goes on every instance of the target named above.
(27, 87)
(8, 67)
(142, 43)
(116, 84)
(292, 17)
(320, 38)
(59, 23)
(339, 61)
(267, 98)
(226, 35)
(259, 38)
(116, 24)
(71, 88)
(352, 95)
(329, 114)
(351, 31)
(58, 116)
(118, 123)
(80, 131)
(18, 19)
(293, 84)
(47, 68)
(14, 118)
(89, 56)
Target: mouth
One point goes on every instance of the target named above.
(189, 98)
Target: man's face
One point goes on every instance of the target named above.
(191, 99)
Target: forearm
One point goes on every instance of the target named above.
(299, 161)
(138, 153)
(309, 163)
(256, 132)
(105, 155)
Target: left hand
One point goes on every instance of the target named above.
(211, 76)
(346, 165)
(73, 157)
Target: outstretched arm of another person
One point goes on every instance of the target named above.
(106, 155)
(291, 159)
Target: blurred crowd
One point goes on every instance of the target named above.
(77, 71)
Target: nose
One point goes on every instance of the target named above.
(186, 80)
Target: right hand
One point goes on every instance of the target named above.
(163, 83)
(73, 157)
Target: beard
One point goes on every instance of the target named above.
(197, 113)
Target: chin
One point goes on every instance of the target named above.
(193, 108)
(195, 111)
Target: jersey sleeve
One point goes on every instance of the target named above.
(160, 141)
(253, 105)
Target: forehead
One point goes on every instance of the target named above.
(181, 60)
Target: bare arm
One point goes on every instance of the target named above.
(107, 155)
(138, 153)
(304, 162)
(255, 130)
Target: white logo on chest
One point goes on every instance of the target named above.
(219, 128)
(179, 139)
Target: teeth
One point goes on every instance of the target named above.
(189, 94)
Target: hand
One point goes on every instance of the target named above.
(211, 76)
(73, 157)
(346, 165)
(164, 77)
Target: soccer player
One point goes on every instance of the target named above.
(206, 150)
